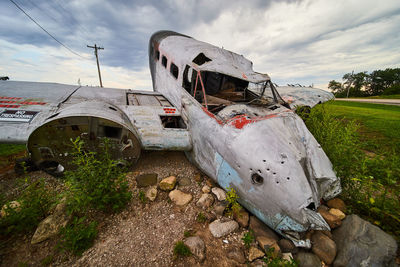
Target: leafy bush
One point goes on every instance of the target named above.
(370, 185)
(98, 181)
(201, 218)
(78, 235)
(232, 198)
(248, 238)
(142, 197)
(34, 201)
(181, 250)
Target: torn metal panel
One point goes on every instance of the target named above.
(297, 96)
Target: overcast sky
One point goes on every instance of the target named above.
(306, 42)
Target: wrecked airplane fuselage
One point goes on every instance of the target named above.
(244, 135)
(230, 121)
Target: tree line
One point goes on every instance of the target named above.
(378, 82)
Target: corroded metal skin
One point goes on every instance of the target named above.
(264, 152)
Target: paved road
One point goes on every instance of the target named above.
(395, 102)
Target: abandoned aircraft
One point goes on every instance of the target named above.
(231, 122)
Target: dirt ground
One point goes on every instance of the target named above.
(140, 235)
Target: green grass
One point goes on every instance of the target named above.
(10, 149)
(370, 181)
(379, 97)
(380, 124)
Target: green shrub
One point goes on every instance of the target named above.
(142, 197)
(188, 233)
(370, 184)
(98, 181)
(232, 198)
(181, 250)
(201, 218)
(35, 201)
(78, 235)
(248, 238)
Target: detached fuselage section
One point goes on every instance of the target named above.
(244, 135)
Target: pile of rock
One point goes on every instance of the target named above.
(353, 241)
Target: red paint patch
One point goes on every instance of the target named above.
(14, 100)
(169, 110)
(9, 106)
(240, 121)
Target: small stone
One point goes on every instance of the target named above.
(308, 259)
(287, 256)
(184, 181)
(180, 198)
(337, 203)
(338, 213)
(332, 220)
(196, 246)
(242, 217)
(205, 201)
(210, 182)
(13, 205)
(219, 193)
(206, 189)
(236, 255)
(323, 247)
(219, 209)
(167, 184)
(151, 193)
(198, 178)
(260, 229)
(266, 243)
(287, 246)
(220, 229)
(327, 233)
(255, 253)
(146, 179)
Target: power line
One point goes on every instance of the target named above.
(69, 49)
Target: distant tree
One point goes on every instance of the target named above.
(356, 82)
(336, 88)
(363, 84)
(384, 81)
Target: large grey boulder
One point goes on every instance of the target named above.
(359, 243)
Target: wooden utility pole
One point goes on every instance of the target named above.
(97, 59)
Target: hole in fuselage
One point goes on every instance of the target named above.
(257, 179)
(311, 206)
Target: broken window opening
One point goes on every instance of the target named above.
(174, 70)
(157, 55)
(164, 61)
(173, 122)
(221, 90)
(110, 132)
(200, 59)
(75, 127)
(186, 81)
(201, 96)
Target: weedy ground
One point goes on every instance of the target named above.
(363, 142)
